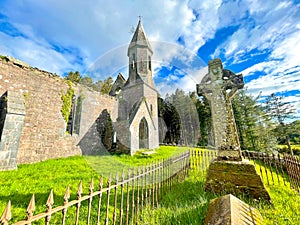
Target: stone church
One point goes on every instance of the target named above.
(33, 126)
(137, 122)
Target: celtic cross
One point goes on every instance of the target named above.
(219, 86)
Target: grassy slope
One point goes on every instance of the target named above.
(39, 178)
(286, 202)
(186, 204)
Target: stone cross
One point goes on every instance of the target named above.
(219, 86)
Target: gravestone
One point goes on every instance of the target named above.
(229, 173)
(229, 210)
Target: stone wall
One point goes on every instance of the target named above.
(44, 132)
(12, 119)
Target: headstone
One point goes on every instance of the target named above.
(219, 86)
(229, 173)
(230, 210)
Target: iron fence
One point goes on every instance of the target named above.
(277, 169)
(120, 199)
(117, 201)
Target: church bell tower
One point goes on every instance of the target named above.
(138, 111)
(140, 56)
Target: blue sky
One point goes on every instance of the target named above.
(258, 38)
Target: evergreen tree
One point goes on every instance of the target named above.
(204, 117)
(189, 133)
(170, 119)
(279, 110)
(74, 77)
(87, 81)
(253, 125)
(107, 85)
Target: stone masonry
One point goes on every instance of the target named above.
(43, 135)
(12, 119)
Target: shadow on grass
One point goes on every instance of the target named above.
(186, 203)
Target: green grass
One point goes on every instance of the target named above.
(107, 165)
(39, 178)
(286, 202)
(19, 185)
(185, 204)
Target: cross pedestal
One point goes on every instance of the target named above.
(229, 173)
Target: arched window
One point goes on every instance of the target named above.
(149, 63)
(143, 134)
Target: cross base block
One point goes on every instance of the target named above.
(230, 210)
(235, 177)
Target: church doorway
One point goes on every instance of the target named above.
(143, 134)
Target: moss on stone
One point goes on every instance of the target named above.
(67, 101)
(239, 178)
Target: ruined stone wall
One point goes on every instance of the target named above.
(44, 131)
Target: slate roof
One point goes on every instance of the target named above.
(139, 37)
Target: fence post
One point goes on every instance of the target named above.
(276, 169)
(66, 200)
(138, 193)
(127, 200)
(107, 200)
(99, 200)
(30, 209)
(115, 200)
(132, 197)
(49, 205)
(79, 192)
(122, 197)
(91, 188)
(6, 216)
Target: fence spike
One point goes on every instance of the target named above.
(6, 216)
(101, 183)
(31, 207)
(67, 195)
(128, 173)
(117, 178)
(79, 191)
(109, 180)
(91, 188)
(50, 201)
(123, 175)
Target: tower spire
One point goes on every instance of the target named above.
(139, 37)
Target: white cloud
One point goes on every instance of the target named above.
(263, 66)
(30, 51)
(94, 27)
(75, 35)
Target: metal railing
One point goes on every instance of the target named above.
(117, 202)
(277, 169)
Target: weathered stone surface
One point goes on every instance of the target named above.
(12, 114)
(233, 177)
(137, 123)
(43, 135)
(219, 86)
(229, 210)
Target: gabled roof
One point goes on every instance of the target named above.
(119, 84)
(139, 37)
(136, 108)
